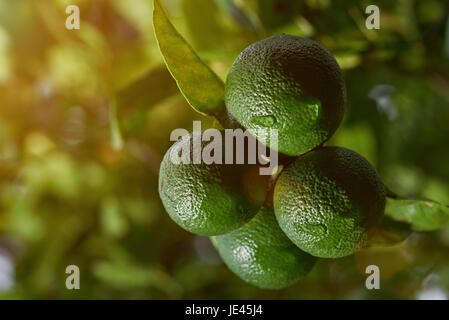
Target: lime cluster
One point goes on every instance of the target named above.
(323, 202)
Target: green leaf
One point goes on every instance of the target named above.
(421, 214)
(277, 13)
(134, 101)
(446, 39)
(389, 232)
(213, 240)
(116, 134)
(201, 87)
(203, 20)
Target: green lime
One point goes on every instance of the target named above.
(327, 200)
(261, 254)
(290, 84)
(205, 199)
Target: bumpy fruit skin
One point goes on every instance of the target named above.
(261, 254)
(205, 199)
(291, 84)
(327, 200)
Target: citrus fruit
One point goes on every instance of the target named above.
(205, 199)
(327, 200)
(290, 84)
(261, 254)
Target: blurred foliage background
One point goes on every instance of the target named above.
(85, 117)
